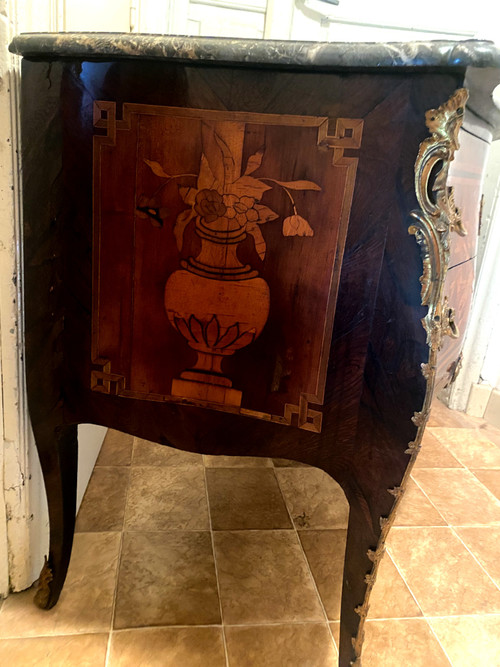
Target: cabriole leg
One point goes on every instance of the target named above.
(58, 452)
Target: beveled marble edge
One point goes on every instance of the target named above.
(262, 52)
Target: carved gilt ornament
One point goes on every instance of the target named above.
(432, 226)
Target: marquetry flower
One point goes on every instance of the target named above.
(209, 204)
(296, 225)
(208, 334)
(224, 191)
(242, 209)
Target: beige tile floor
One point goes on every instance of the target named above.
(189, 561)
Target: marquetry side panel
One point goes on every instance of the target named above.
(218, 242)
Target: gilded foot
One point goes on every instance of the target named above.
(43, 592)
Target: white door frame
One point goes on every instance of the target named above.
(15, 515)
(24, 524)
(482, 329)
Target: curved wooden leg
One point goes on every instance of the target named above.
(360, 560)
(58, 452)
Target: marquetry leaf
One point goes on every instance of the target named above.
(187, 194)
(249, 186)
(214, 157)
(206, 178)
(254, 162)
(245, 339)
(212, 332)
(227, 159)
(183, 328)
(259, 241)
(299, 185)
(230, 335)
(196, 329)
(265, 213)
(156, 168)
(183, 220)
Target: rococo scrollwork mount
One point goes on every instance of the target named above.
(432, 225)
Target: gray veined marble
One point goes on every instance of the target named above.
(481, 59)
(262, 52)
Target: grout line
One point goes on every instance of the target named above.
(160, 627)
(406, 584)
(454, 532)
(430, 500)
(212, 539)
(423, 617)
(489, 493)
(474, 555)
(118, 565)
(415, 468)
(429, 625)
(430, 618)
(226, 530)
(461, 525)
(45, 635)
(452, 452)
(297, 536)
(230, 625)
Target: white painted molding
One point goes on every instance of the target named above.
(486, 303)
(23, 506)
(492, 412)
(479, 396)
(15, 508)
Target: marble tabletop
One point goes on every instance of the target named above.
(471, 53)
(479, 59)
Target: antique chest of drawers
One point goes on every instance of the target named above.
(249, 248)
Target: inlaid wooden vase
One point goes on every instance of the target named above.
(219, 306)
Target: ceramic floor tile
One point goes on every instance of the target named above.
(469, 640)
(490, 479)
(440, 572)
(148, 453)
(237, 461)
(264, 578)
(434, 454)
(245, 498)
(390, 597)
(167, 578)
(314, 499)
(416, 509)
(469, 447)
(441, 415)
(335, 630)
(86, 600)
(484, 543)
(490, 432)
(66, 651)
(297, 645)
(459, 497)
(409, 642)
(116, 449)
(167, 498)
(168, 647)
(325, 552)
(103, 506)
